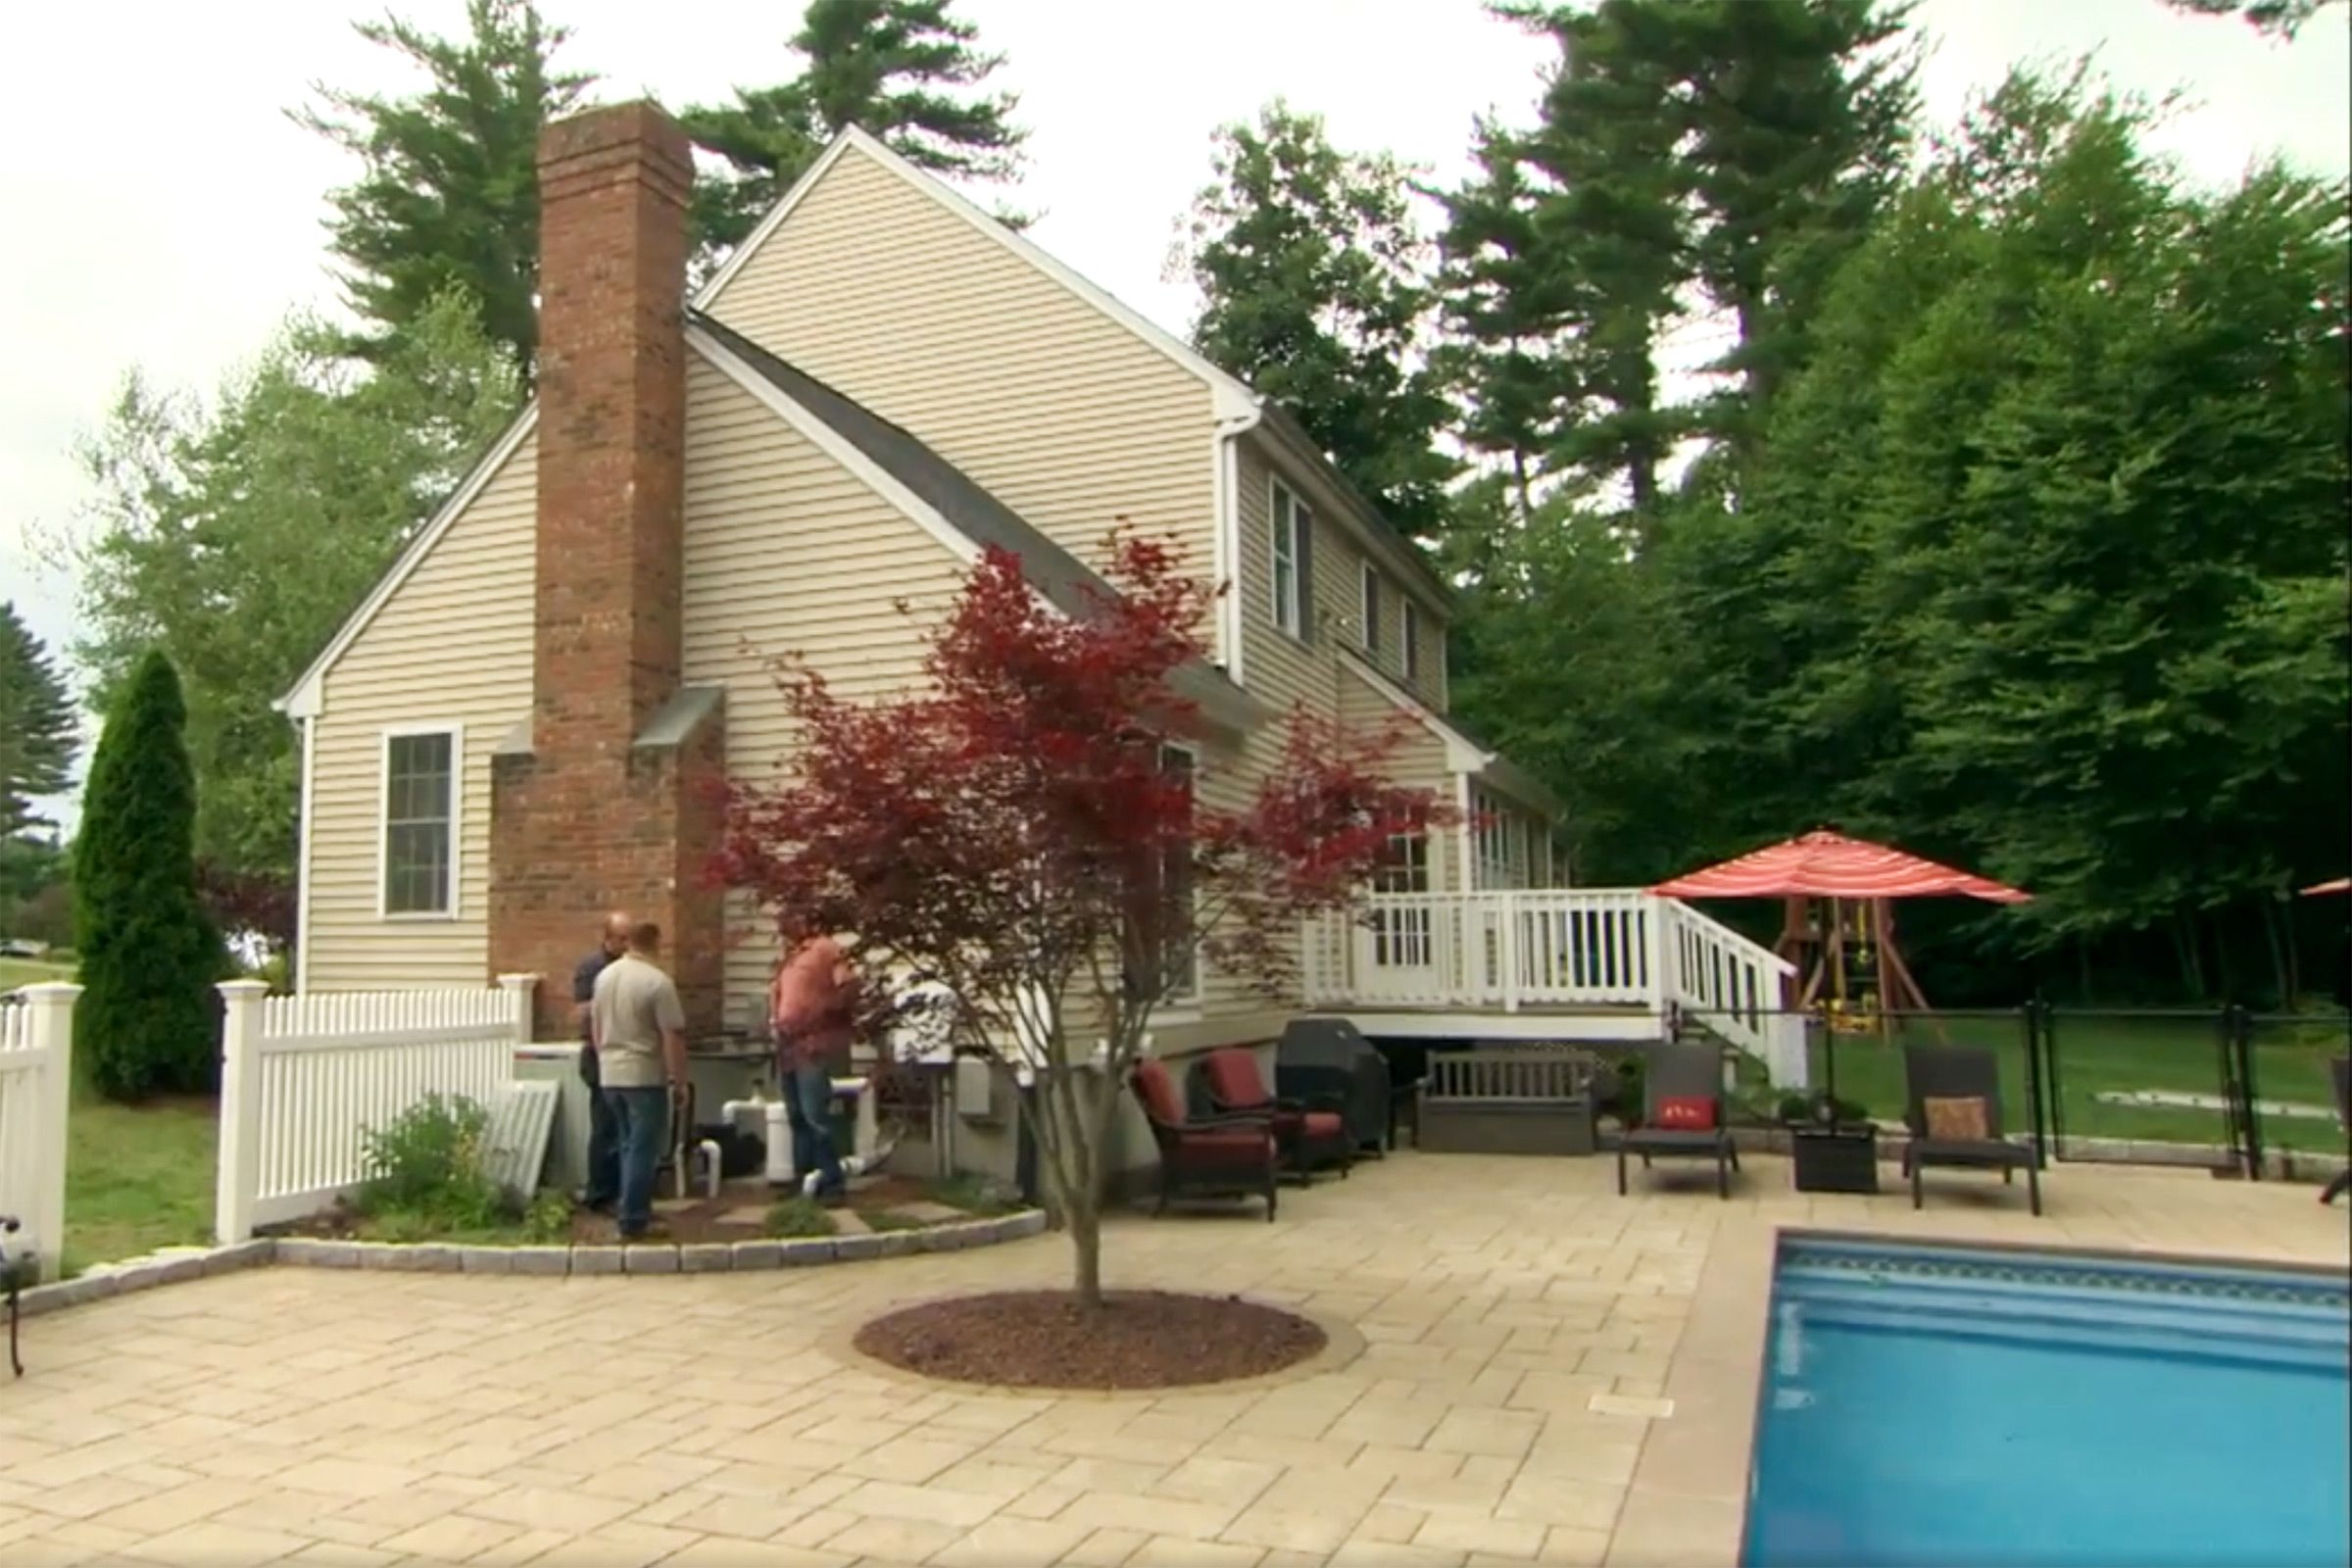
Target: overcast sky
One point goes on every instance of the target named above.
(163, 213)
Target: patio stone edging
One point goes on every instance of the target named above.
(169, 1267)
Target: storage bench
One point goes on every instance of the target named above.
(1505, 1101)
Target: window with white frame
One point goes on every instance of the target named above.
(1403, 937)
(1504, 860)
(1409, 623)
(1162, 944)
(1371, 612)
(421, 821)
(1292, 545)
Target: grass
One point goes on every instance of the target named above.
(2097, 1055)
(14, 973)
(137, 1177)
(974, 1195)
(799, 1217)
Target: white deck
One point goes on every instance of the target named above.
(1550, 963)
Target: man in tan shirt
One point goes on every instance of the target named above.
(639, 1030)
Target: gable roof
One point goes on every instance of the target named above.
(1463, 754)
(941, 497)
(1238, 407)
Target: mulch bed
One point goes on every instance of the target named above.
(1043, 1339)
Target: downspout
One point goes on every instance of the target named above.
(1226, 489)
(302, 858)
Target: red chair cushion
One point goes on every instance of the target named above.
(1233, 1078)
(1157, 1091)
(1686, 1113)
(1325, 1124)
(1238, 1147)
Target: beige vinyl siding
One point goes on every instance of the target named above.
(1418, 761)
(452, 646)
(1069, 418)
(787, 553)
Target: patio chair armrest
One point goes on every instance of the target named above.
(1231, 1118)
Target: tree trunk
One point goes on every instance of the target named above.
(1086, 1244)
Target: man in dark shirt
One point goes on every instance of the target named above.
(604, 1149)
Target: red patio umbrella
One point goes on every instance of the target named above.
(1825, 864)
(2343, 884)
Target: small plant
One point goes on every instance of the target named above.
(548, 1219)
(799, 1217)
(429, 1164)
(974, 1195)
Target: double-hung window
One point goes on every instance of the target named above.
(1293, 542)
(419, 871)
(1164, 945)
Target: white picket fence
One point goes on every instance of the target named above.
(36, 1076)
(304, 1079)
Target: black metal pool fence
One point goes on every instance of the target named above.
(2239, 1092)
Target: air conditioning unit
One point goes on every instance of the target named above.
(976, 1089)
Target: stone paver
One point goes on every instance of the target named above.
(1550, 1374)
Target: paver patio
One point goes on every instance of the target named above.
(1550, 1373)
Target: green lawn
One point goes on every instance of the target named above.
(2108, 1054)
(137, 1177)
(14, 973)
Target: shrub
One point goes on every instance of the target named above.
(148, 1016)
(428, 1167)
(548, 1219)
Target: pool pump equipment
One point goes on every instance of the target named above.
(15, 1251)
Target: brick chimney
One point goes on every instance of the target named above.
(604, 803)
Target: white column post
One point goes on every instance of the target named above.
(51, 1006)
(1509, 946)
(1656, 913)
(522, 990)
(866, 1136)
(240, 1161)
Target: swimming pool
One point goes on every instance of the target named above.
(1948, 1406)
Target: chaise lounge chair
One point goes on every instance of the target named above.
(1954, 1114)
(2341, 1070)
(1230, 1156)
(1682, 1113)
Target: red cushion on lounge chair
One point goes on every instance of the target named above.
(1159, 1092)
(1234, 1080)
(1242, 1148)
(1686, 1113)
(1323, 1124)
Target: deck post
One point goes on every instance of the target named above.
(1657, 953)
(1509, 946)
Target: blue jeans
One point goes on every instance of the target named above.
(640, 1126)
(602, 1184)
(808, 1110)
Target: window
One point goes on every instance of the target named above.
(1403, 937)
(1372, 613)
(420, 822)
(1160, 935)
(1293, 568)
(1410, 624)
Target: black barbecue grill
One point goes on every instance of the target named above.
(1330, 1057)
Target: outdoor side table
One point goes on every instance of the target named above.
(1836, 1159)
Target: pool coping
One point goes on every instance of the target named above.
(1689, 1497)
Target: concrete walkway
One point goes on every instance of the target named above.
(1549, 1374)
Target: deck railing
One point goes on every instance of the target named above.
(1563, 948)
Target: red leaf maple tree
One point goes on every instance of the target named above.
(1017, 830)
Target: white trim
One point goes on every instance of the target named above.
(1234, 551)
(1467, 881)
(307, 696)
(1287, 617)
(1221, 572)
(1229, 396)
(308, 727)
(836, 446)
(457, 817)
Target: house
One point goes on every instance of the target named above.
(514, 731)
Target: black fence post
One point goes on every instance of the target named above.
(2241, 1028)
(2053, 1093)
(2033, 1013)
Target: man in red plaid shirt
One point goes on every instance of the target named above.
(814, 1005)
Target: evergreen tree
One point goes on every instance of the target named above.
(1314, 289)
(146, 1022)
(37, 739)
(2282, 18)
(911, 71)
(448, 195)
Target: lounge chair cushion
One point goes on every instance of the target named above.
(1688, 1114)
(1660, 1140)
(1160, 1093)
(1993, 1152)
(1240, 1147)
(1956, 1119)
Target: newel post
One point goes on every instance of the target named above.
(523, 991)
(238, 1176)
(51, 1009)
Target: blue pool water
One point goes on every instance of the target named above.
(1932, 1406)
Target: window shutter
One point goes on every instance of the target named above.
(1306, 571)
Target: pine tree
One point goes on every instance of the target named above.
(909, 71)
(37, 739)
(448, 197)
(1312, 287)
(146, 1020)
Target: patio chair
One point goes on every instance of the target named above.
(1682, 1113)
(1954, 1114)
(1307, 1132)
(1224, 1156)
(2341, 1070)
